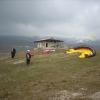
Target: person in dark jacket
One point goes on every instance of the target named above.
(28, 57)
(13, 52)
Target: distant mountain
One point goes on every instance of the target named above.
(22, 43)
(94, 43)
(17, 38)
(72, 42)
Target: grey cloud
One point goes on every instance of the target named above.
(50, 17)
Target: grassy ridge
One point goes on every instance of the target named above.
(47, 75)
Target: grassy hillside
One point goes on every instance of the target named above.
(52, 76)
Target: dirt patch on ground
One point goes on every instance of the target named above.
(13, 61)
(19, 61)
(95, 96)
(66, 95)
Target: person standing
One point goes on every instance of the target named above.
(28, 57)
(13, 52)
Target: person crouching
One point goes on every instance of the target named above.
(28, 57)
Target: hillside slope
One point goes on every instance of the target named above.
(52, 76)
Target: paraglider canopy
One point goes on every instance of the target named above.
(86, 51)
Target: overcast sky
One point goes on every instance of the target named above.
(64, 18)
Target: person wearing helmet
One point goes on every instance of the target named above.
(28, 57)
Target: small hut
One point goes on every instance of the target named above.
(49, 43)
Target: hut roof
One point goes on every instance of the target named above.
(49, 39)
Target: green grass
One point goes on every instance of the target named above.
(47, 74)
